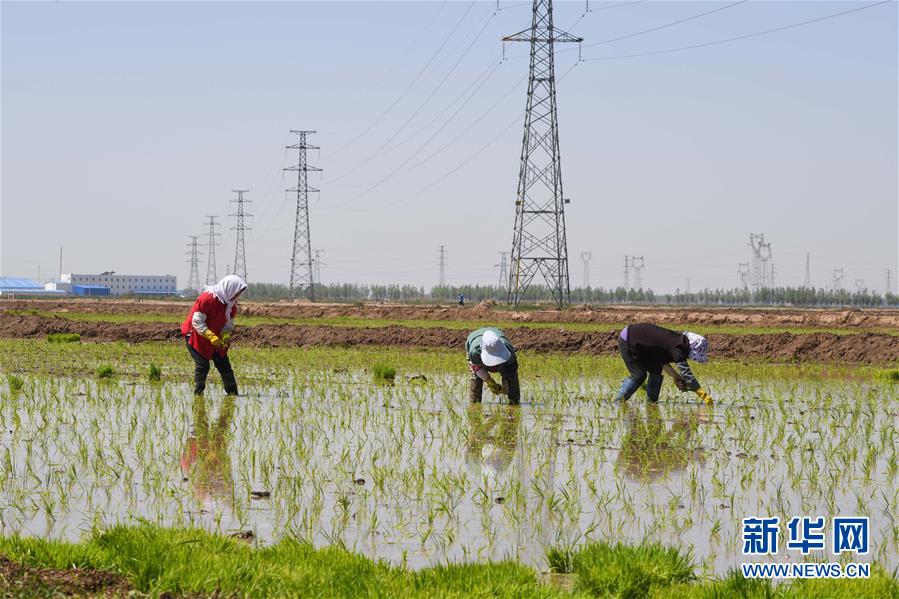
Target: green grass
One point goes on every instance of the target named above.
(351, 321)
(189, 561)
(252, 363)
(63, 337)
(383, 372)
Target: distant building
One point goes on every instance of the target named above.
(124, 284)
(22, 286)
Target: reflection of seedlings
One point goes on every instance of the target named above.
(651, 451)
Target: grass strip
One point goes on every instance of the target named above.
(159, 561)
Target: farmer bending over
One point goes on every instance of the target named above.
(647, 348)
(489, 351)
(207, 330)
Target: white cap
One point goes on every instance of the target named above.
(493, 350)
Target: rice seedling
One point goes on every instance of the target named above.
(105, 371)
(63, 337)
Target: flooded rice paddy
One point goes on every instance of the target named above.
(414, 474)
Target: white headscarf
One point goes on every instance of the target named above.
(699, 347)
(226, 290)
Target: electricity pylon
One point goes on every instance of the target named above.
(539, 243)
(637, 263)
(301, 273)
(193, 279)
(240, 250)
(211, 275)
(585, 258)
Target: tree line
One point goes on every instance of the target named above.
(776, 296)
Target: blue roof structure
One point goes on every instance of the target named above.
(19, 284)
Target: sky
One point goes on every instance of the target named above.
(123, 125)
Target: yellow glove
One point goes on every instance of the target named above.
(213, 338)
(495, 387)
(704, 396)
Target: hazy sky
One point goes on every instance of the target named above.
(124, 124)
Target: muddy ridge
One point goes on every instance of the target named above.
(490, 311)
(861, 348)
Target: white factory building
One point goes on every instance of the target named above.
(121, 284)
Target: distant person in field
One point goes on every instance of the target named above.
(489, 351)
(207, 331)
(461, 300)
(647, 349)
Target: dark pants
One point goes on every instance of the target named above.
(510, 386)
(201, 370)
(637, 375)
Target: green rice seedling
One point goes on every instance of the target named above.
(15, 383)
(154, 373)
(105, 371)
(63, 337)
(383, 373)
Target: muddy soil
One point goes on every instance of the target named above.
(489, 311)
(861, 348)
(19, 580)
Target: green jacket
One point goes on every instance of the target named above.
(473, 348)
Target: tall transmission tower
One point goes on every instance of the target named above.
(317, 262)
(539, 242)
(808, 272)
(211, 275)
(441, 261)
(743, 271)
(756, 241)
(889, 287)
(503, 269)
(301, 273)
(240, 250)
(585, 258)
(193, 279)
(637, 264)
(837, 279)
(859, 285)
(627, 272)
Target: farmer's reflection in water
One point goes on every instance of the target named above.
(650, 450)
(492, 438)
(205, 462)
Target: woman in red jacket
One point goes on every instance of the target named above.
(207, 330)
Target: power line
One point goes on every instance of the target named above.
(403, 94)
(418, 110)
(459, 166)
(742, 37)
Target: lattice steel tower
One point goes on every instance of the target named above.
(441, 262)
(301, 273)
(539, 244)
(585, 258)
(193, 279)
(211, 275)
(504, 269)
(240, 250)
(638, 264)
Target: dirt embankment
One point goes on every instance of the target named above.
(489, 312)
(861, 348)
